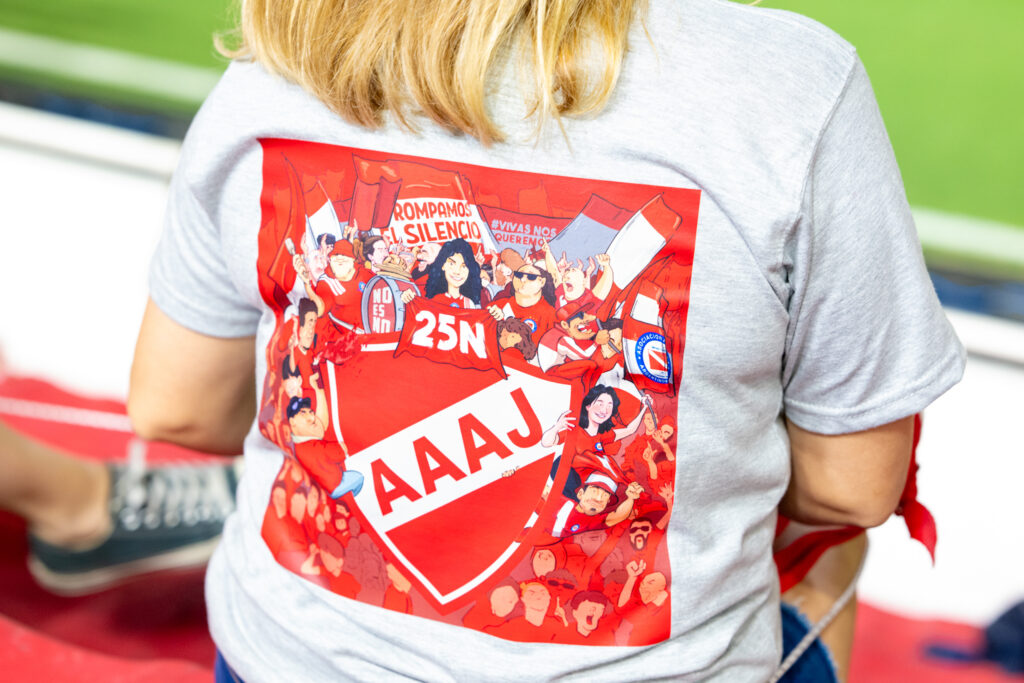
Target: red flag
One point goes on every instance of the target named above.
(463, 337)
(417, 180)
(641, 238)
(281, 270)
(674, 279)
(602, 211)
(417, 203)
(372, 204)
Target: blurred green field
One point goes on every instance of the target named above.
(950, 81)
(178, 30)
(949, 77)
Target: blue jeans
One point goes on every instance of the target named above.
(222, 673)
(815, 664)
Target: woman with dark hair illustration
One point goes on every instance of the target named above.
(454, 276)
(595, 438)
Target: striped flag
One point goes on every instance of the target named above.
(646, 354)
(320, 216)
(591, 231)
(640, 239)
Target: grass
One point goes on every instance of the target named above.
(178, 30)
(949, 77)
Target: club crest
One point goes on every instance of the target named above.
(652, 357)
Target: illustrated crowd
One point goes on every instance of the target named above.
(598, 571)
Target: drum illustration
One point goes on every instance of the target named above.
(383, 310)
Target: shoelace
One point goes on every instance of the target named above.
(169, 496)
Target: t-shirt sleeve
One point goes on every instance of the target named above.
(188, 276)
(867, 342)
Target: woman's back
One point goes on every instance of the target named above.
(739, 193)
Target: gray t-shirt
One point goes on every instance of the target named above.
(585, 488)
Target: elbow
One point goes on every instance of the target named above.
(876, 513)
(853, 509)
(869, 515)
(854, 479)
(152, 422)
(146, 422)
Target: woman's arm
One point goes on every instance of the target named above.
(550, 437)
(603, 286)
(634, 425)
(191, 389)
(853, 479)
(323, 412)
(551, 264)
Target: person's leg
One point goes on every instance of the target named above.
(92, 525)
(815, 595)
(62, 498)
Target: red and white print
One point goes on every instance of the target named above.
(473, 381)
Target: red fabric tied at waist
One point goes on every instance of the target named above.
(796, 559)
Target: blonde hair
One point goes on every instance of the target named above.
(365, 58)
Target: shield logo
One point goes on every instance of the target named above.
(652, 357)
(436, 446)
